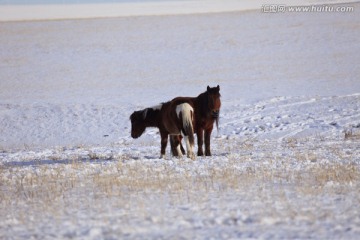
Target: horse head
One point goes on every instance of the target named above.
(138, 125)
(214, 102)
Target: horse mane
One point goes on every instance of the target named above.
(151, 114)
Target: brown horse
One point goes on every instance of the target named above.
(206, 111)
(150, 117)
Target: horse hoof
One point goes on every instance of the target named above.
(191, 156)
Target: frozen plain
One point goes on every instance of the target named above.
(282, 165)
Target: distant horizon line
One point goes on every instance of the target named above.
(127, 8)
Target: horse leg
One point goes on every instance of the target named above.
(175, 140)
(200, 139)
(173, 146)
(189, 148)
(207, 142)
(164, 140)
(176, 146)
(181, 146)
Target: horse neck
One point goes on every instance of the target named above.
(201, 103)
(152, 120)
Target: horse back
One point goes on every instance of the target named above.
(180, 100)
(169, 116)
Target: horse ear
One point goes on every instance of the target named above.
(218, 87)
(208, 88)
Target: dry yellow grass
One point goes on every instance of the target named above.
(47, 184)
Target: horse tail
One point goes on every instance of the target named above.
(187, 116)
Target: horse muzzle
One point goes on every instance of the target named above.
(135, 134)
(215, 113)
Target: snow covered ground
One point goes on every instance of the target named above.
(286, 156)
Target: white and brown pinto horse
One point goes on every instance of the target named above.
(177, 120)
